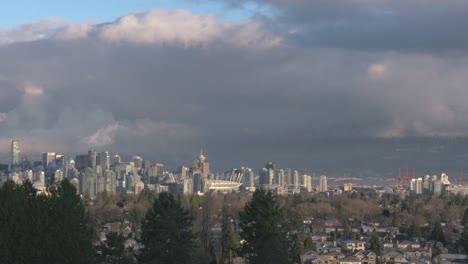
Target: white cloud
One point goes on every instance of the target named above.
(31, 32)
(377, 71)
(3, 117)
(75, 31)
(106, 136)
(155, 27)
(185, 28)
(31, 89)
(103, 136)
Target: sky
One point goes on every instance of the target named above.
(328, 86)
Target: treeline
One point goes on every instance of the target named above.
(60, 226)
(43, 228)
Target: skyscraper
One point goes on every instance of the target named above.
(117, 160)
(307, 182)
(323, 187)
(295, 180)
(248, 179)
(92, 155)
(201, 166)
(104, 160)
(287, 176)
(15, 159)
(138, 161)
(47, 158)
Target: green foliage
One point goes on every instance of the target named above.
(43, 228)
(386, 213)
(297, 248)
(395, 220)
(414, 230)
(112, 250)
(194, 203)
(465, 218)
(264, 228)
(230, 243)
(297, 199)
(167, 233)
(146, 196)
(463, 241)
(309, 244)
(438, 233)
(375, 244)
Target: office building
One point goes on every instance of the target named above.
(15, 158)
(47, 158)
(201, 166)
(323, 186)
(137, 162)
(92, 155)
(295, 180)
(103, 160)
(248, 179)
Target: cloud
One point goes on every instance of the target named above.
(31, 32)
(106, 136)
(155, 27)
(184, 28)
(164, 84)
(389, 25)
(75, 31)
(33, 90)
(377, 71)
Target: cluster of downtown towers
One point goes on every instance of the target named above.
(95, 172)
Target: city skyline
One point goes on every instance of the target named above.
(374, 87)
(405, 173)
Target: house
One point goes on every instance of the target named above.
(320, 238)
(334, 256)
(366, 256)
(388, 245)
(325, 247)
(393, 257)
(350, 260)
(308, 256)
(420, 261)
(367, 228)
(404, 244)
(317, 260)
(417, 253)
(450, 258)
(353, 245)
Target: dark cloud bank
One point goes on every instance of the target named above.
(326, 86)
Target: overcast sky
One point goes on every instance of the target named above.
(315, 84)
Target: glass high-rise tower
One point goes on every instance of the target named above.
(15, 159)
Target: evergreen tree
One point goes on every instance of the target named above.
(438, 233)
(297, 249)
(69, 230)
(414, 230)
(167, 233)
(264, 229)
(463, 241)
(309, 244)
(465, 217)
(230, 243)
(43, 228)
(375, 244)
(112, 250)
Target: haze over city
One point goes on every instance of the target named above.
(325, 86)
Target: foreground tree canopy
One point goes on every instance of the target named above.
(39, 228)
(167, 232)
(265, 230)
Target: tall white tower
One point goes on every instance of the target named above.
(323, 184)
